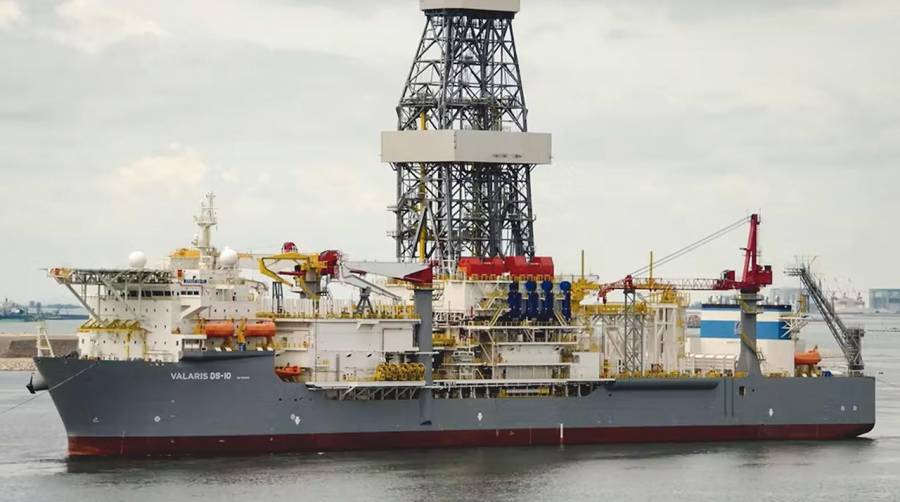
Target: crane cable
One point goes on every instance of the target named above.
(694, 245)
(21, 403)
(32, 398)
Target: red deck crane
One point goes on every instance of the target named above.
(753, 277)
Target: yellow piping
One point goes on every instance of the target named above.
(422, 232)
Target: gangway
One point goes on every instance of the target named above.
(848, 339)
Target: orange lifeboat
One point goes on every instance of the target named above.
(222, 329)
(808, 358)
(288, 371)
(264, 328)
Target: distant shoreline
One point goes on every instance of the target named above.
(16, 350)
(16, 364)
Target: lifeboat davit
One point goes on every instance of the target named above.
(222, 329)
(264, 328)
(288, 371)
(808, 358)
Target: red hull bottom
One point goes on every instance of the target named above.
(245, 445)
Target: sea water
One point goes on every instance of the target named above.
(34, 464)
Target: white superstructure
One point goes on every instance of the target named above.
(503, 326)
(200, 300)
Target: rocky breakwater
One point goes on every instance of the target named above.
(16, 351)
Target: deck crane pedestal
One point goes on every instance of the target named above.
(754, 278)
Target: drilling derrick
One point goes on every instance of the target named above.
(462, 153)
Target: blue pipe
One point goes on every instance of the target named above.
(531, 305)
(514, 302)
(547, 303)
(566, 288)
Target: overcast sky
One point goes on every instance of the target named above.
(670, 119)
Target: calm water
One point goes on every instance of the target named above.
(33, 463)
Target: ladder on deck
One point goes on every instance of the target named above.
(754, 346)
(849, 339)
(42, 343)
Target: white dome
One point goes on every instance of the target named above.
(228, 257)
(137, 259)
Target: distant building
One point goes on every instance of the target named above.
(884, 300)
(784, 296)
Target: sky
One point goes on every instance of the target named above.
(670, 119)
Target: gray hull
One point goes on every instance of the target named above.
(238, 405)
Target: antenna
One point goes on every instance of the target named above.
(205, 221)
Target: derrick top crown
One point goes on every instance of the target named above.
(506, 6)
(465, 74)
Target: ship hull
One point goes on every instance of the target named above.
(238, 406)
(252, 445)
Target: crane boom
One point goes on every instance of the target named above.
(753, 277)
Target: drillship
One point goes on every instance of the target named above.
(468, 339)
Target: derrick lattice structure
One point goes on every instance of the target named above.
(465, 78)
(633, 335)
(465, 74)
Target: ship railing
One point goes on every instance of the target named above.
(336, 309)
(110, 326)
(103, 277)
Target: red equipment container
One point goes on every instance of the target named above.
(489, 268)
(515, 266)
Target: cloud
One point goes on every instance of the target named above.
(92, 27)
(669, 120)
(10, 14)
(171, 172)
(231, 176)
(353, 30)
